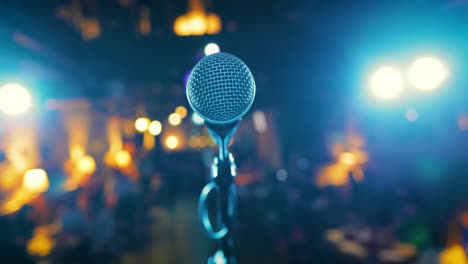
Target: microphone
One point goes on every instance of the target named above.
(221, 90)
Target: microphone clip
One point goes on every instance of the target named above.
(223, 190)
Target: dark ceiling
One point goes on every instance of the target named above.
(301, 53)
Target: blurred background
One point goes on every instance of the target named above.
(353, 152)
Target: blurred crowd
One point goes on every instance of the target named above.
(359, 222)
(98, 221)
(284, 217)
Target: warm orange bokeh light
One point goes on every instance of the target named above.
(114, 133)
(182, 27)
(79, 171)
(334, 175)
(172, 142)
(155, 128)
(349, 159)
(181, 111)
(15, 201)
(86, 165)
(36, 181)
(148, 141)
(76, 152)
(144, 25)
(40, 245)
(77, 123)
(142, 124)
(454, 254)
(123, 159)
(214, 24)
(197, 22)
(174, 119)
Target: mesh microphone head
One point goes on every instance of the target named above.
(221, 88)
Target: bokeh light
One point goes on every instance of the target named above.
(86, 165)
(40, 245)
(353, 248)
(174, 119)
(172, 142)
(197, 22)
(148, 141)
(197, 120)
(211, 48)
(348, 158)
(335, 236)
(122, 158)
(142, 124)
(386, 83)
(213, 24)
(181, 111)
(182, 26)
(260, 122)
(453, 254)
(36, 180)
(463, 122)
(76, 152)
(14, 99)
(219, 258)
(193, 141)
(281, 175)
(411, 115)
(427, 73)
(155, 128)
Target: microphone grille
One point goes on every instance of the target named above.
(221, 88)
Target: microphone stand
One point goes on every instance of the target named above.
(223, 172)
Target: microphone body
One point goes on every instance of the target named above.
(221, 90)
(222, 135)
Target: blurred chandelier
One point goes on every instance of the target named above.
(196, 21)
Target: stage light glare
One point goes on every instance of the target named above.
(155, 128)
(427, 73)
(174, 119)
(386, 83)
(172, 142)
(14, 99)
(211, 48)
(142, 124)
(197, 120)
